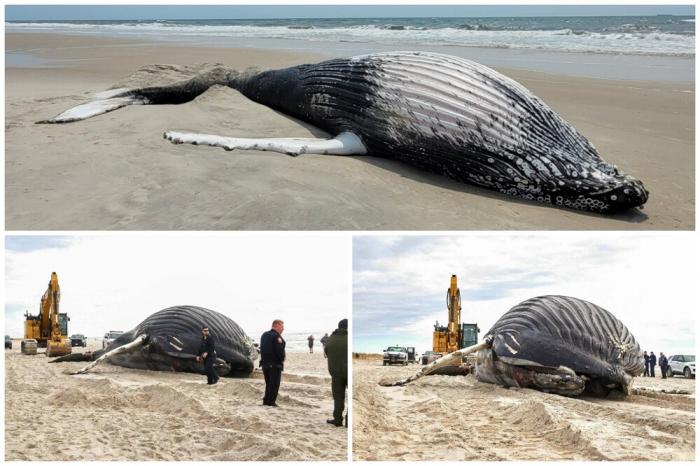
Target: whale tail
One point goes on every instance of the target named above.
(177, 93)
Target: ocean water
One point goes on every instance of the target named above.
(297, 341)
(629, 35)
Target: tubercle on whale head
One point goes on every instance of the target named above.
(628, 193)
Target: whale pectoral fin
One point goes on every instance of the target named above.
(345, 143)
(102, 103)
(446, 360)
(138, 342)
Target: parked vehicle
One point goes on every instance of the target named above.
(681, 364)
(429, 356)
(395, 355)
(8, 342)
(78, 340)
(110, 337)
(411, 354)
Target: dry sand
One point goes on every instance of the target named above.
(116, 172)
(459, 418)
(113, 413)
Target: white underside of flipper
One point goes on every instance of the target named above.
(120, 350)
(344, 144)
(102, 103)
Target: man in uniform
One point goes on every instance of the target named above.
(336, 350)
(646, 364)
(207, 353)
(663, 364)
(324, 340)
(652, 364)
(272, 360)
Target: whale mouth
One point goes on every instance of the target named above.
(629, 193)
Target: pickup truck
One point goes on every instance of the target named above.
(78, 340)
(395, 355)
(681, 364)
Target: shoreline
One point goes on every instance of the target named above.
(599, 65)
(127, 177)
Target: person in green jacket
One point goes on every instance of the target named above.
(336, 350)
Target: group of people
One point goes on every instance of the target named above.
(324, 340)
(272, 356)
(650, 364)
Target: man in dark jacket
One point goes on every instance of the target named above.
(646, 365)
(336, 350)
(652, 364)
(663, 364)
(272, 361)
(207, 353)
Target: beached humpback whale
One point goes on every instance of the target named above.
(169, 341)
(556, 344)
(439, 113)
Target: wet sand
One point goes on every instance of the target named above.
(458, 418)
(113, 413)
(115, 171)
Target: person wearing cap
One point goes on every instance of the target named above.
(207, 353)
(272, 356)
(336, 350)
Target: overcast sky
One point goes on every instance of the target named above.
(113, 283)
(120, 12)
(399, 282)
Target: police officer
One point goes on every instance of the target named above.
(336, 350)
(272, 360)
(663, 364)
(207, 353)
(646, 364)
(652, 364)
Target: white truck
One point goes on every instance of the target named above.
(681, 364)
(110, 337)
(396, 355)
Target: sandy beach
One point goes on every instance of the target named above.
(459, 418)
(113, 413)
(115, 171)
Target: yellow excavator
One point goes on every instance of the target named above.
(50, 327)
(454, 336)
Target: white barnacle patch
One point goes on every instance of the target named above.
(179, 348)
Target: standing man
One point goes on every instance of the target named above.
(663, 364)
(646, 364)
(311, 343)
(324, 340)
(207, 353)
(652, 363)
(336, 350)
(272, 361)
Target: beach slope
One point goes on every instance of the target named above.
(115, 171)
(458, 418)
(114, 413)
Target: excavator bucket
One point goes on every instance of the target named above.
(58, 348)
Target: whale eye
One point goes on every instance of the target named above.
(613, 198)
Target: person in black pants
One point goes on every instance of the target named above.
(646, 365)
(652, 364)
(207, 353)
(272, 361)
(663, 364)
